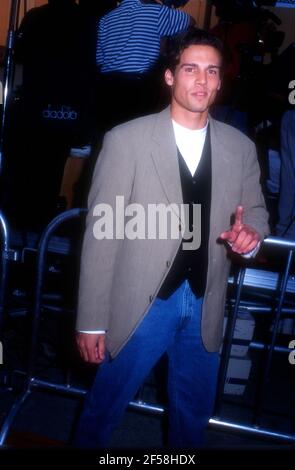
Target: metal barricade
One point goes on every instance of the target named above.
(288, 247)
(32, 382)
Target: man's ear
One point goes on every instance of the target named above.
(169, 79)
(219, 86)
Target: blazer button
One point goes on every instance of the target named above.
(151, 298)
(168, 264)
(179, 226)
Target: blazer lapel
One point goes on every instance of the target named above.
(164, 155)
(220, 166)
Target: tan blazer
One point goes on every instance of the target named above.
(120, 278)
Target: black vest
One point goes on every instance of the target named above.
(192, 264)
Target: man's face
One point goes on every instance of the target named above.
(196, 79)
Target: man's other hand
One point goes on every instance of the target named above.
(91, 347)
(241, 237)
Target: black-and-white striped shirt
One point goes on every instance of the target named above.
(129, 36)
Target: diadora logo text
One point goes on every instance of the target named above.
(63, 113)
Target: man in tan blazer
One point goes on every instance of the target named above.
(143, 293)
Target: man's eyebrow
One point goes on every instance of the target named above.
(210, 66)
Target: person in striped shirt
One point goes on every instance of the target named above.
(128, 48)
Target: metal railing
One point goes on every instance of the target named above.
(276, 308)
(32, 381)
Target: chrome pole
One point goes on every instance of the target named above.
(8, 72)
(3, 277)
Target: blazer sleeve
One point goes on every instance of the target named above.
(113, 176)
(255, 213)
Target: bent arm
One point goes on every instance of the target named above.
(113, 176)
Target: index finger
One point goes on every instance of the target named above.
(239, 215)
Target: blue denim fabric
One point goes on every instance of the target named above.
(286, 224)
(171, 326)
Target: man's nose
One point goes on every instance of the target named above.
(201, 77)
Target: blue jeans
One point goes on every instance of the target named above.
(286, 224)
(171, 326)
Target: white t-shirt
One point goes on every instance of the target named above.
(190, 144)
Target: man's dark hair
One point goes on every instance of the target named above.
(192, 37)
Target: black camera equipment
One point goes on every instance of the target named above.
(247, 45)
(174, 3)
(240, 10)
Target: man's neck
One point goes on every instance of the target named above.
(189, 119)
